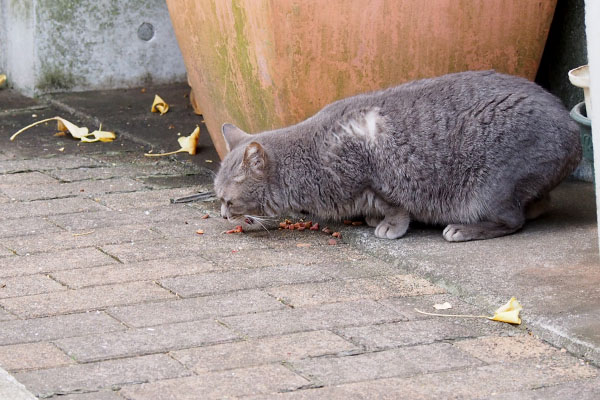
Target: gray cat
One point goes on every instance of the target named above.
(476, 151)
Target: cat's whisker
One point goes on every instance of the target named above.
(259, 220)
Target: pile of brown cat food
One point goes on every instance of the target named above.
(304, 225)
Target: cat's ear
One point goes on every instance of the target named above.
(255, 159)
(233, 135)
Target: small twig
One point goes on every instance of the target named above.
(84, 233)
(452, 315)
(202, 196)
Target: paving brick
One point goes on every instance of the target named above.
(97, 297)
(504, 348)
(48, 207)
(104, 172)
(94, 376)
(100, 219)
(6, 316)
(217, 385)
(219, 282)
(27, 226)
(169, 248)
(80, 189)
(383, 364)
(325, 316)
(99, 395)
(146, 199)
(588, 389)
(32, 356)
(54, 261)
(283, 239)
(479, 382)
(263, 351)
(26, 178)
(416, 332)
(351, 259)
(196, 308)
(62, 326)
(45, 164)
(407, 305)
(28, 285)
(497, 378)
(353, 289)
(6, 254)
(70, 240)
(157, 339)
(142, 271)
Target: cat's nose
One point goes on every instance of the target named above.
(224, 211)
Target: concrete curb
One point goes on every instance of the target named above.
(11, 389)
(541, 325)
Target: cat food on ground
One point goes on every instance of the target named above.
(205, 216)
(200, 232)
(237, 229)
(300, 226)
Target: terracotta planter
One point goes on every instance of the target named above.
(263, 64)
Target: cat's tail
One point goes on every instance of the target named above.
(538, 207)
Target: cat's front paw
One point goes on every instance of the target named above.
(391, 229)
(455, 233)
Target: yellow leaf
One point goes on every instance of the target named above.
(99, 135)
(2, 79)
(188, 144)
(81, 133)
(159, 105)
(509, 312)
(63, 125)
(75, 131)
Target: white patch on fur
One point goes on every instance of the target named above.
(368, 126)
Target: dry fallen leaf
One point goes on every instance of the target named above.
(81, 133)
(443, 306)
(159, 105)
(200, 232)
(509, 312)
(2, 79)
(188, 144)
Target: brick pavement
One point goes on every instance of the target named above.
(107, 292)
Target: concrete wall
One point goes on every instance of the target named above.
(57, 45)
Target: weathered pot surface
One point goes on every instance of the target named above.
(264, 64)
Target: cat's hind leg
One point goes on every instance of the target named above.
(394, 224)
(505, 224)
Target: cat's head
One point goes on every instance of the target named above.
(242, 180)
